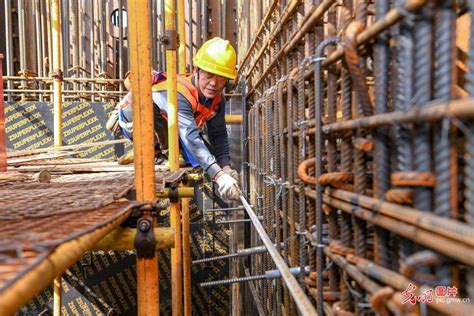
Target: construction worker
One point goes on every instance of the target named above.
(200, 104)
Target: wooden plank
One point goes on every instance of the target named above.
(61, 148)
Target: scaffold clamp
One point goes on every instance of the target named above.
(145, 238)
(170, 39)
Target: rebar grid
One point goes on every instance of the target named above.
(95, 44)
(39, 200)
(396, 57)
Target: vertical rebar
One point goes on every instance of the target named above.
(469, 145)
(160, 58)
(319, 170)
(331, 147)
(281, 173)
(9, 45)
(301, 156)
(190, 39)
(405, 51)
(199, 19)
(83, 57)
(258, 268)
(277, 158)
(346, 166)
(92, 48)
(22, 40)
(39, 55)
(444, 42)
(120, 42)
(381, 154)
(291, 174)
(75, 39)
(422, 94)
(205, 19)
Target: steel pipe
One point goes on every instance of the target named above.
(173, 155)
(139, 39)
(57, 72)
(183, 192)
(57, 298)
(123, 239)
(304, 305)
(186, 257)
(182, 38)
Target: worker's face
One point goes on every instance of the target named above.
(210, 85)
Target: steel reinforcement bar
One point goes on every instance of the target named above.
(371, 149)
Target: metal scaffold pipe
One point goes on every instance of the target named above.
(186, 257)
(182, 38)
(57, 296)
(139, 39)
(302, 301)
(57, 72)
(173, 141)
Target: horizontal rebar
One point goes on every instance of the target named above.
(302, 301)
(240, 253)
(460, 108)
(391, 18)
(239, 221)
(269, 275)
(226, 209)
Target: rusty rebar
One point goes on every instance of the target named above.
(346, 166)
(301, 157)
(401, 283)
(439, 243)
(358, 73)
(318, 77)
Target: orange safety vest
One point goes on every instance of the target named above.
(189, 91)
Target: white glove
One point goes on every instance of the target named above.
(231, 172)
(228, 188)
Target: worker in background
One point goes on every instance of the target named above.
(201, 105)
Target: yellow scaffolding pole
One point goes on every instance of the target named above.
(124, 238)
(57, 114)
(139, 41)
(57, 296)
(186, 257)
(182, 37)
(57, 72)
(172, 94)
(40, 276)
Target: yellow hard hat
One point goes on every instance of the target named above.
(217, 56)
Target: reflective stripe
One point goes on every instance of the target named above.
(190, 93)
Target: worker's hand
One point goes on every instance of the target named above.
(228, 187)
(231, 172)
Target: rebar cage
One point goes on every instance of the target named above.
(360, 144)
